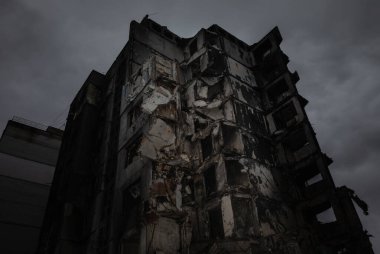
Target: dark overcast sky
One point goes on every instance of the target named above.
(48, 47)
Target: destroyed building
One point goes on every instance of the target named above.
(196, 145)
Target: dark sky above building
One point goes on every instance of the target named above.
(48, 47)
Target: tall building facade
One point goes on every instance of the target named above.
(197, 145)
(28, 154)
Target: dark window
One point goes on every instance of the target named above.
(215, 62)
(134, 113)
(277, 90)
(235, 176)
(272, 68)
(195, 67)
(322, 213)
(210, 180)
(131, 204)
(132, 151)
(263, 50)
(296, 140)
(305, 173)
(261, 147)
(326, 216)
(211, 39)
(311, 183)
(216, 223)
(206, 145)
(228, 134)
(200, 124)
(243, 216)
(283, 117)
(231, 140)
(214, 90)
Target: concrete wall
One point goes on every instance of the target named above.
(23, 141)
(28, 153)
(22, 207)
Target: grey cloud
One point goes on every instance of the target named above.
(49, 47)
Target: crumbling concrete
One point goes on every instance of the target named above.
(215, 154)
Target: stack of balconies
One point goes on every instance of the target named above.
(302, 167)
(237, 198)
(154, 182)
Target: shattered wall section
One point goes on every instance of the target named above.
(209, 148)
(202, 145)
(235, 171)
(160, 140)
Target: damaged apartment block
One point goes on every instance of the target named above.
(197, 145)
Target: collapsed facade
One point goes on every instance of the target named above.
(28, 154)
(198, 145)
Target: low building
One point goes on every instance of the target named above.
(28, 153)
